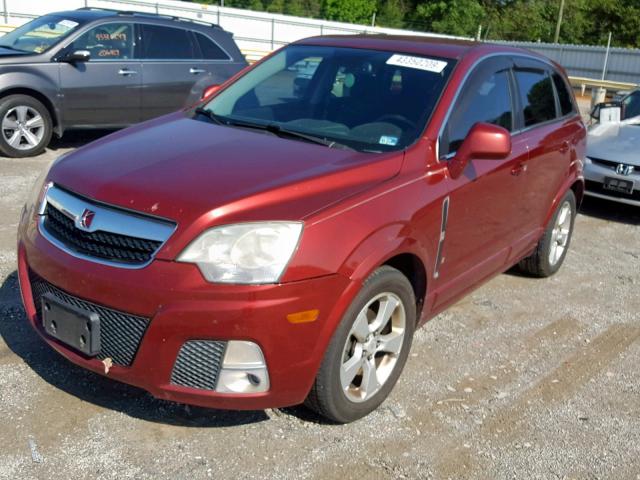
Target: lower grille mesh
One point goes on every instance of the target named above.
(120, 333)
(198, 364)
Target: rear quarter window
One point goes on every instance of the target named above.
(537, 100)
(564, 96)
(209, 49)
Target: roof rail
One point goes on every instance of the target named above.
(152, 15)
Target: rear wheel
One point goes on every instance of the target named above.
(368, 350)
(25, 126)
(554, 244)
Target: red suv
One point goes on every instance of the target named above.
(281, 242)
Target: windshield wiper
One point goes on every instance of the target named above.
(210, 115)
(286, 133)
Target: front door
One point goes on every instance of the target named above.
(483, 205)
(106, 90)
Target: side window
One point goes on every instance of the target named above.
(631, 105)
(536, 96)
(566, 105)
(112, 41)
(166, 43)
(486, 98)
(210, 51)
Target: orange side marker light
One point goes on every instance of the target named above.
(303, 317)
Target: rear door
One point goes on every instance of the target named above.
(171, 66)
(105, 91)
(551, 128)
(484, 202)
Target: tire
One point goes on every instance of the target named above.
(25, 126)
(554, 244)
(349, 347)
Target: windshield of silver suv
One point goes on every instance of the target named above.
(39, 35)
(360, 99)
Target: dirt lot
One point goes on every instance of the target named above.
(522, 379)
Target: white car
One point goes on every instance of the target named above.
(612, 166)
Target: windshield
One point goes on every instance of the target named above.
(367, 100)
(39, 35)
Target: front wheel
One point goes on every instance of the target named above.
(25, 126)
(368, 350)
(554, 244)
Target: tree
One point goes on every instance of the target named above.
(390, 13)
(274, 6)
(352, 11)
(453, 17)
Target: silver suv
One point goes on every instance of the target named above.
(93, 68)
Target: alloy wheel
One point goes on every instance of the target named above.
(23, 127)
(372, 348)
(560, 234)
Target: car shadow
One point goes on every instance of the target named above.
(76, 139)
(612, 211)
(90, 387)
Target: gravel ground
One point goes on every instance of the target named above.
(524, 378)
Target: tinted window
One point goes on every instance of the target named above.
(631, 105)
(209, 49)
(166, 43)
(113, 41)
(536, 96)
(486, 98)
(566, 106)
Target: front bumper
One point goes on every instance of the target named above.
(181, 306)
(594, 174)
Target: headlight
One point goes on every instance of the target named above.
(245, 252)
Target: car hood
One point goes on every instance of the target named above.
(193, 171)
(616, 142)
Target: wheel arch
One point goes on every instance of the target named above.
(42, 98)
(391, 246)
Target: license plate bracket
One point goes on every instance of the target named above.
(71, 325)
(618, 185)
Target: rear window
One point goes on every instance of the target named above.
(210, 51)
(564, 97)
(166, 43)
(536, 96)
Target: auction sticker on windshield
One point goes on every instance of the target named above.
(421, 63)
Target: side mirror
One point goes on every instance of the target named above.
(483, 142)
(595, 112)
(209, 91)
(77, 56)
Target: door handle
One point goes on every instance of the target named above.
(564, 148)
(518, 169)
(196, 71)
(125, 72)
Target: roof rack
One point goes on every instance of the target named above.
(152, 15)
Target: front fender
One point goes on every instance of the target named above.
(40, 81)
(381, 246)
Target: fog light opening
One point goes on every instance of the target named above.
(244, 369)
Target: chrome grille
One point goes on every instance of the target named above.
(198, 364)
(100, 233)
(104, 245)
(120, 332)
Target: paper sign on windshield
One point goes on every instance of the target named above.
(420, 63)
